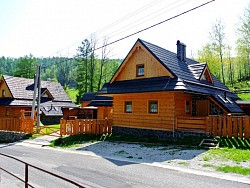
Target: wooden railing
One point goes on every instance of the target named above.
(191, 123)
(85, 126)
(229, 126)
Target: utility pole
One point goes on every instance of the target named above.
(37, 86)
(34, 94)
(39, 96)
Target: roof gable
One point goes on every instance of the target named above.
(4, 89)
(140, 56)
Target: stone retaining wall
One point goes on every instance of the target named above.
(155, 133)
(11, 136)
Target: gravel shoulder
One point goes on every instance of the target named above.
(170, 156)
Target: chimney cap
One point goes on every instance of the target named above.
(180, 43)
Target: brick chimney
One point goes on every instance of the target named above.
(181, 51)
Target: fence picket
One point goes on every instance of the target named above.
(235, 127)
(246, 127)
(241, 127)
(224, 126)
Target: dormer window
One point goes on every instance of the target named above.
(3, 93)
(140, 70)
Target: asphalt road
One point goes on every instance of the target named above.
(95, 171)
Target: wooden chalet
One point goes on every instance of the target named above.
(17, 94)
(157, 89)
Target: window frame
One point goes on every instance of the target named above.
(125, 107)
(150, 109)
(138, 67)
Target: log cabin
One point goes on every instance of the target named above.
(17, 94)
(158, 90)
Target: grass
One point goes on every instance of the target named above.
(72, 93)
(233, 169)
(233, 154)
(244, 96)
(208, 165)
(183, 163)
(48, 130)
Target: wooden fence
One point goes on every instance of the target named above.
(16, 124)
(229, 126)
(10, 124)
(85, 126)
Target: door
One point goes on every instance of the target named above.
(202, 107)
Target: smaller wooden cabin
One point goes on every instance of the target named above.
(103, 104)
(16, 94)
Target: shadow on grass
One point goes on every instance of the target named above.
(234, 143)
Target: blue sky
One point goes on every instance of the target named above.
(57, 27)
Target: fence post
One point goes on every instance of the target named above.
(26, 176)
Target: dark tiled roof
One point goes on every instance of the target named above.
(186, 75)
(22, 88)
(88, 96)
(52, 111)
(101, 103)
(97, 100)
(143, 85)
(22, 92)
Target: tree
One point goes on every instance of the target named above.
(218, 42)
(82, 68)
(243, 45)
(65, 70)
(207, 55)
(93, 61)
(103, 61)
(26, 67)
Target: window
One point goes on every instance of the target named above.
(187, 107)
(153, 107)
(140, 70)
(7, 112)
(3, 93)
(128, 107)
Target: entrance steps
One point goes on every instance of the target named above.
(209, 143)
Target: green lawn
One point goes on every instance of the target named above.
(72, 92)
(244, 96)
(48, 130)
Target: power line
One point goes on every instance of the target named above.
(147, 28)
(149, 5)
(159, 23)
(150, 15)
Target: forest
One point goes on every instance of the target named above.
(87, 71)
